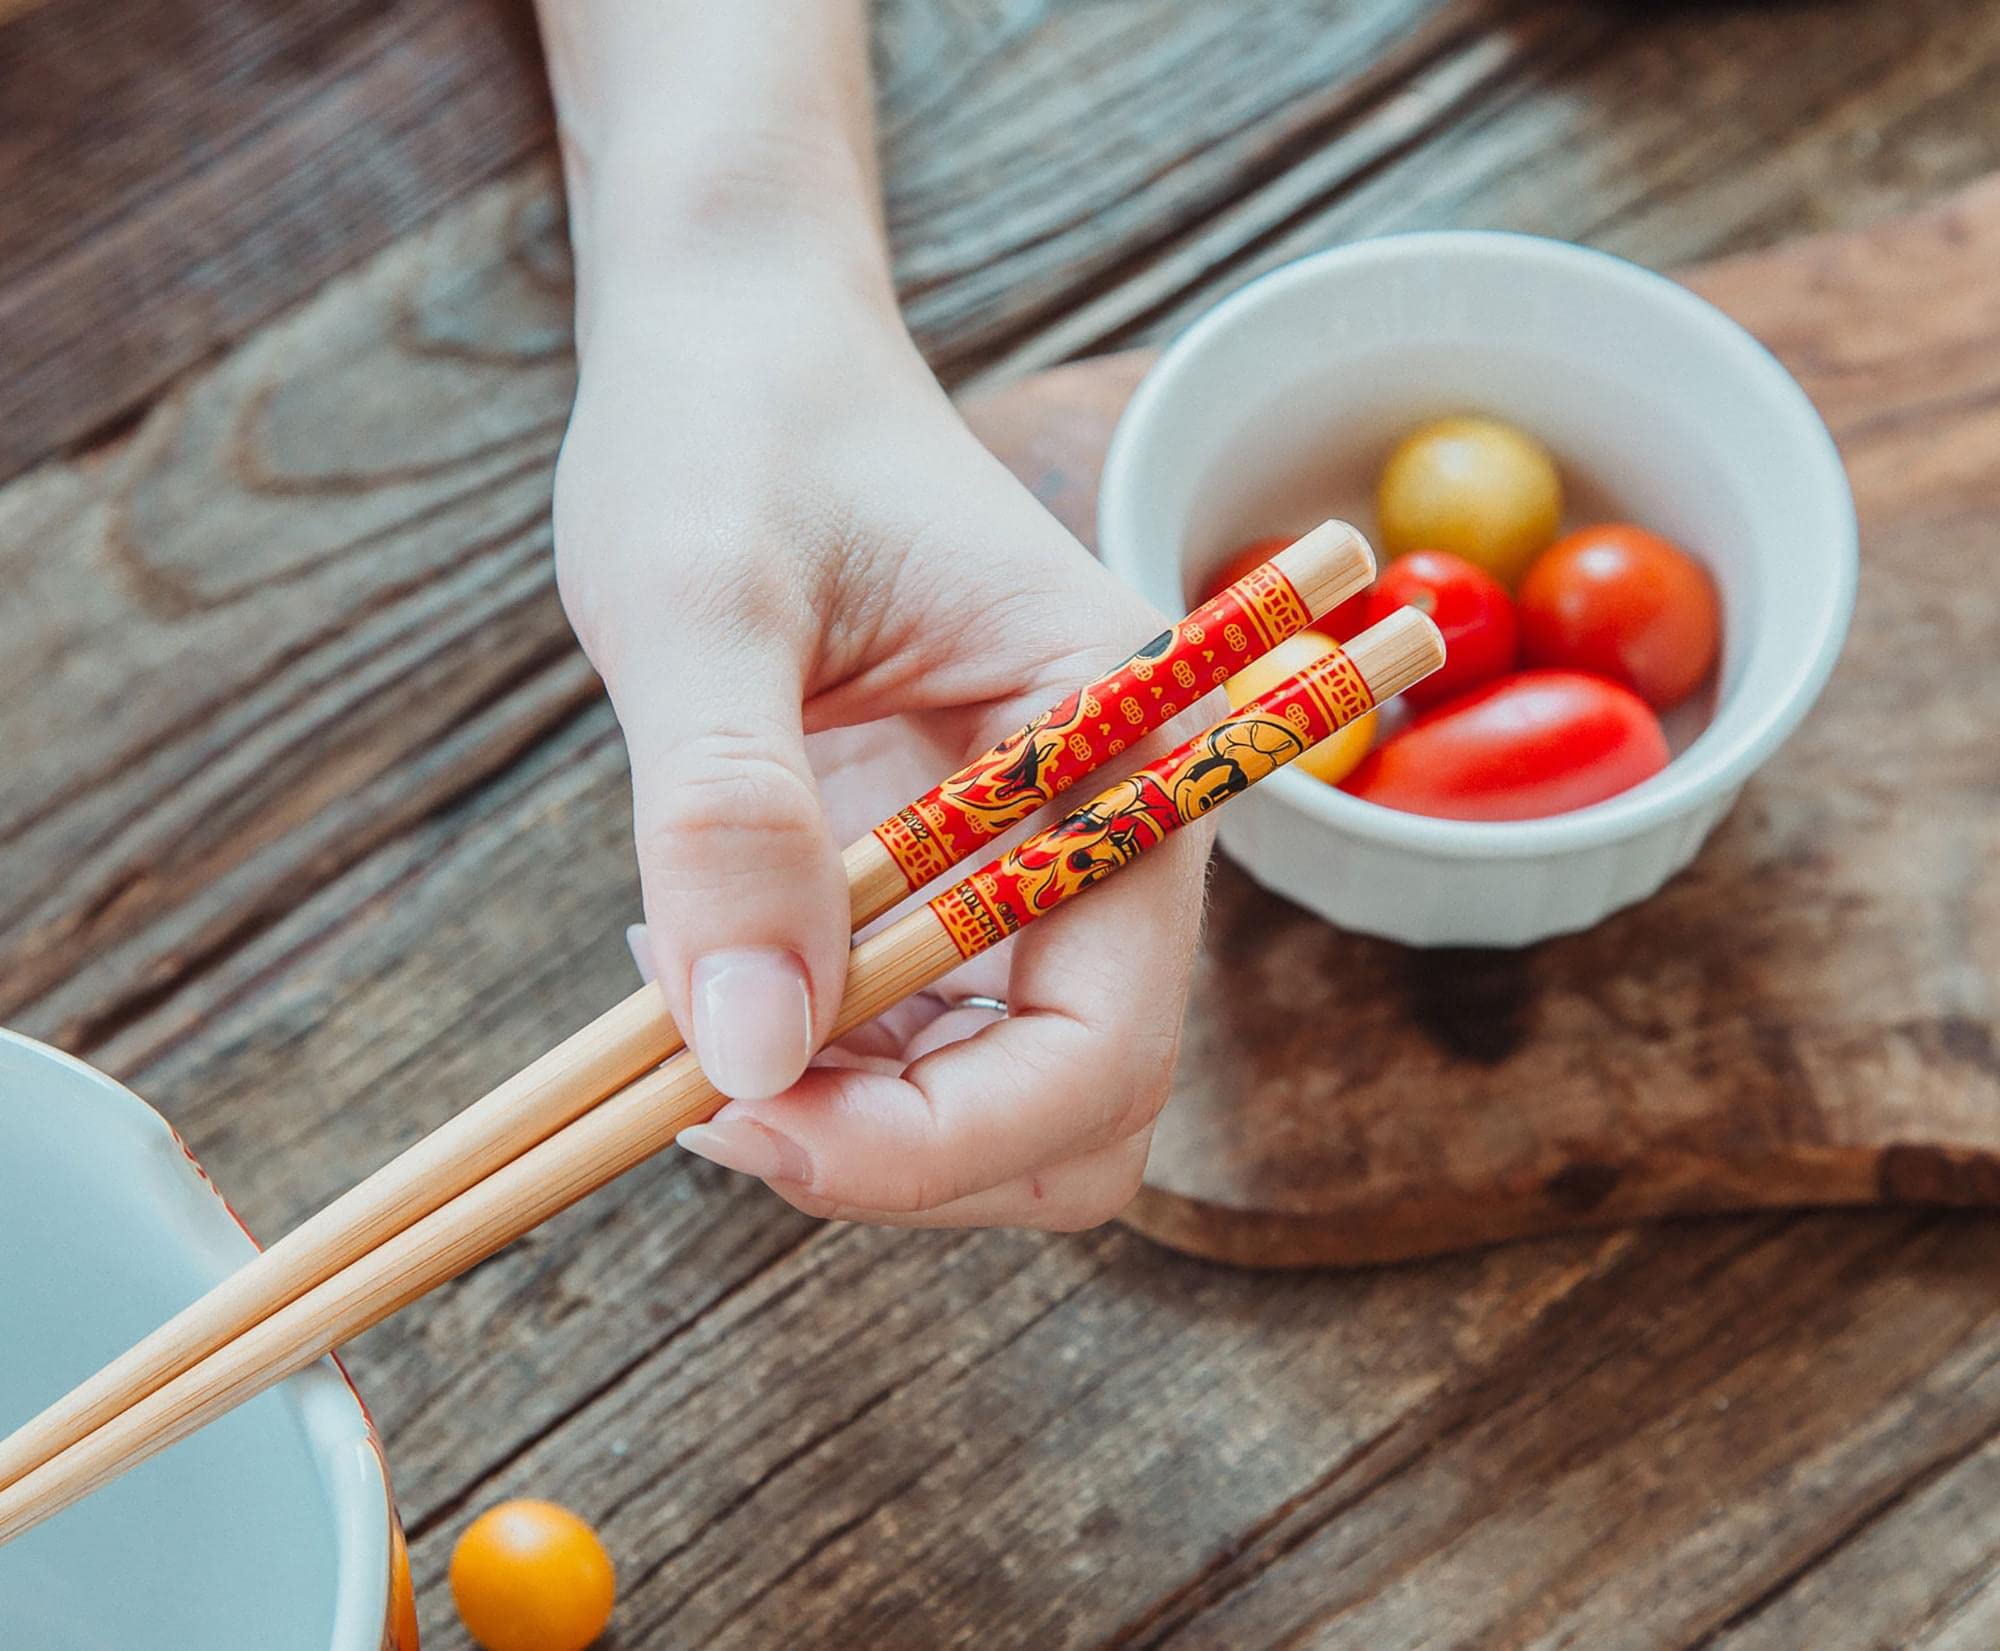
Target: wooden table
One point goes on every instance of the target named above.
(313, 823)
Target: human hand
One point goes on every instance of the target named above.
(811, 593)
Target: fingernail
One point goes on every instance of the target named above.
(641, 950)
(752, 1020)
(749, 1148)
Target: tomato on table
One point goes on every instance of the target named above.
(1332, 758)
(1476, 487)
(1522, 747)
(1467, 604)
(1625, 604)
(1343, 620)
(531, 1576)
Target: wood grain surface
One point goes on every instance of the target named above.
(313, 824)
(1062, 178)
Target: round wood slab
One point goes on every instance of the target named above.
(1806, 1016)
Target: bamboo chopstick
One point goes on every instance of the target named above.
(952, 821)
(1036, 876)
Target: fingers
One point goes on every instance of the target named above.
(640, 945)
(1086, 1191)
(746, 903)
(1082, 1064)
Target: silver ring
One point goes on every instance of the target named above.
(975, 1000)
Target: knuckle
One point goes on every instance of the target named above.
(927, 1184)
(743, 588)
(580, 587)
(735, 594)
(930, 1179)
(917, 1196)
(718, 787)
(1146, 1079)
(912, 1192)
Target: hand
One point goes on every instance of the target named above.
(811, 593)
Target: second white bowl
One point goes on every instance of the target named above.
(269, 1530)
(1278, 409)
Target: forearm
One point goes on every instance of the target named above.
(730, 143)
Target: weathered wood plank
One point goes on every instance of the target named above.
(175, 174)
(1004, 205)
(306, 601)
(934, 1449)
(1668, 134)
(1059, 179)
(1917, 1574)
(1634, 1487)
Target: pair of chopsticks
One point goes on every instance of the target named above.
(601, 1101)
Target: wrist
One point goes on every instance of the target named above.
(739, 211)
(754, 263)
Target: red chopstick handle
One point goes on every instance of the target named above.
(1121, 822)
(958, 817)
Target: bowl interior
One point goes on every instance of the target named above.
(1281, 407)
(243, 1537)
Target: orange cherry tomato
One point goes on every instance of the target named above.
(1626, 604)
(1332, 758)
(1525, 746)
(530, 1576)
(1476, 487)
(1469, 606)
(1340, 622)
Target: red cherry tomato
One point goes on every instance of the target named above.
(1342, 622)
(1626, 604)
(1531, 744)
(1470, 606)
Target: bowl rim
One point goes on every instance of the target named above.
(334, 1424)
(1707, 768)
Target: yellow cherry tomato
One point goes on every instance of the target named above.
(1475, 487)
(530, 1576)
(1331, 759)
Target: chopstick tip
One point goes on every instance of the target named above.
(1397, 651)
(1327, 565)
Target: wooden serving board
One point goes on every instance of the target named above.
(1805, 1017)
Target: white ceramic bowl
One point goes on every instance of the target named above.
(270, 1530)
(1279, 408)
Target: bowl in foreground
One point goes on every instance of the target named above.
(271, 1529)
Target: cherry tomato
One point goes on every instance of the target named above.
(530, 1576)
(1340, 622)
(1334, 756)
(1475, 487)
(1470, 606)
(1625, 604)
(1528, 745)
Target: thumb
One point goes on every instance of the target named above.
(746, 902)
